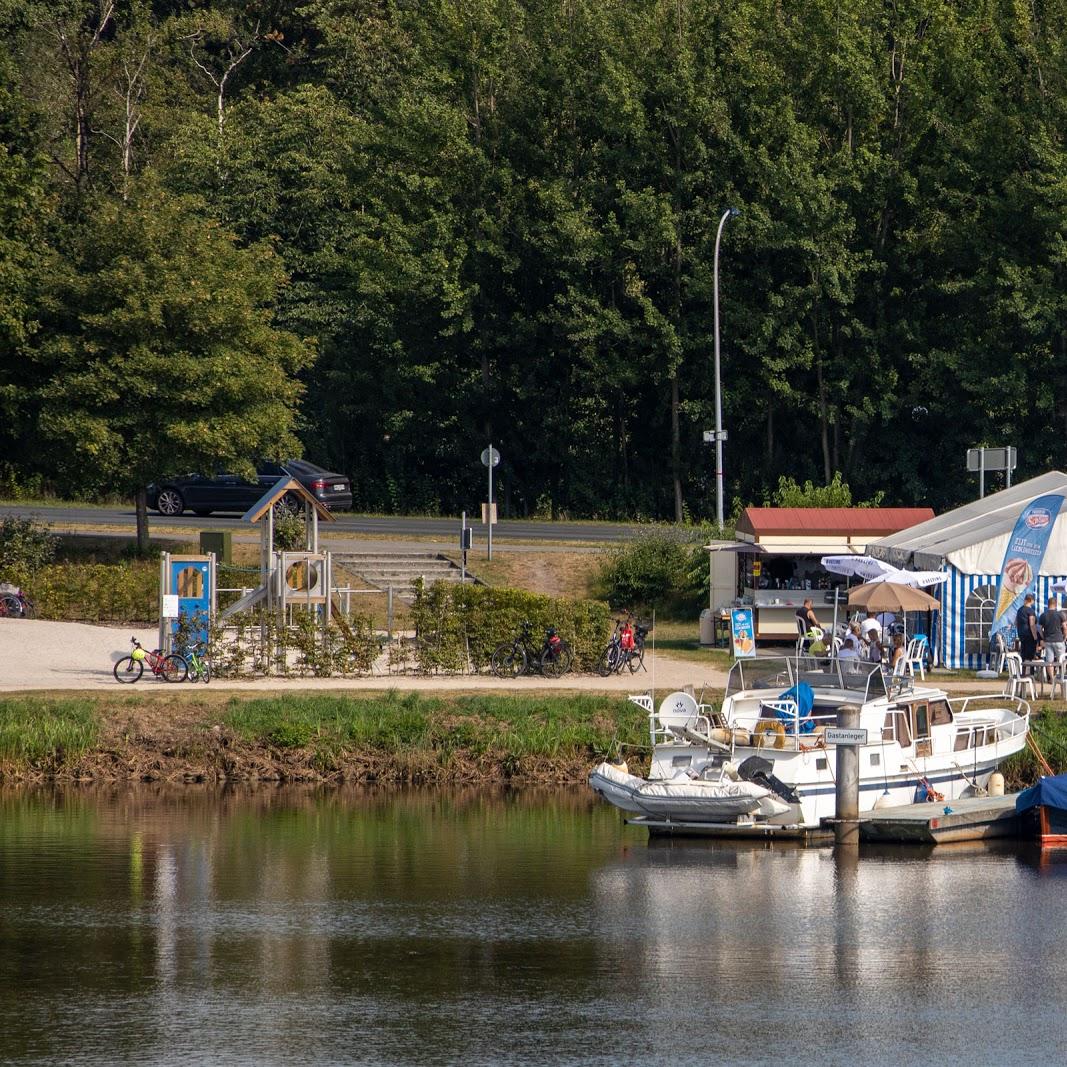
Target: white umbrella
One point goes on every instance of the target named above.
(915, 579)
(865, 567)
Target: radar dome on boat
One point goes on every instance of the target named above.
(678, 709)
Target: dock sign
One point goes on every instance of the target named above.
(840, 735)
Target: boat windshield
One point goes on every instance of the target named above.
(782, 672)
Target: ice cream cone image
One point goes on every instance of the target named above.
(1017, 576)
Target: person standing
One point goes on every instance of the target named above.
(1026, 628)
(1051, 626)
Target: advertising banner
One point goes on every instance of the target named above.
(1022, 559)
(742, 632)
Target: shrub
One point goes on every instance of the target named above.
(662, 570)
(25, 547)
(457, 625)
(290, 532)
(97, 592)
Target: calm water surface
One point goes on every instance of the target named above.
(285, 926)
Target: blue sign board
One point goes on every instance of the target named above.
(742, 632)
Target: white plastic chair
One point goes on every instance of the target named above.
(915, 657)
(1017, 681)
(1059, 679)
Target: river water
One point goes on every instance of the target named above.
(294, 926)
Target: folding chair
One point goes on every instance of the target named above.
(1017, 681)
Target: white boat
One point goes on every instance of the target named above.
(770, 733)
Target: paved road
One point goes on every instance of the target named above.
(386, 527)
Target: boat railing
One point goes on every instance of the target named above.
(1004, 729)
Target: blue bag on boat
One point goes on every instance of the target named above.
(804, 697)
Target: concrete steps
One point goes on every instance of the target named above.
(399, 570)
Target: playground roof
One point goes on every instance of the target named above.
(285, 487)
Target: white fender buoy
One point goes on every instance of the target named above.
(884, 801)
(996, 784)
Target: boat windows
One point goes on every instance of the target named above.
(902, 727)
(940, 715)
(921, 719)
(876, 759)
(681, 761)
(821, 763)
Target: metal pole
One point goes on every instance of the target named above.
(846, 825)
(463, 549)
(981, 473)
(489, 516)
(729, 213)
(1009, 458)
(389, 611)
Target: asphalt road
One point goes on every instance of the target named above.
(386, 527)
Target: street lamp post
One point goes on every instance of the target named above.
(729, 213)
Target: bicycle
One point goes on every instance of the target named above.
(199, 667)
(625, 649)
(172, 668)
(517, 657)
(14, 603)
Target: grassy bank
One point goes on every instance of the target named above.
(389, 737)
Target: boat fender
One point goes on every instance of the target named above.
(720, 735)
(769, 726)
(996, 784)
(884, 801)
(742, 738)
(730, 770)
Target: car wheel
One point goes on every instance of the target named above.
(169, 502)
(287, 507)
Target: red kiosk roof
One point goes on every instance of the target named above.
(829, 522)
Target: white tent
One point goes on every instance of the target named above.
(968, 544)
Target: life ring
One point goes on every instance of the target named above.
(769, 726)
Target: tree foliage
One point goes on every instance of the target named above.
(498, 219)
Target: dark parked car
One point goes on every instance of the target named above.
(231, 492)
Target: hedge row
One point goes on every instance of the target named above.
(97, 592)
(457, 625)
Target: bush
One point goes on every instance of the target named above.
(662, 570)
(97, 592)
(457, 625)
(25, 547)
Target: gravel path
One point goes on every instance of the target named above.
(35, 654)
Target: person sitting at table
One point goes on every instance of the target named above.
(898, 653)
(875, 649)
(870, 625)
(852, 644)
(806, 617)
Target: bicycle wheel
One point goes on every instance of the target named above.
(509, 660)
(29, 610)
(128, 670)
(555, 662)
(10, 607)
(205, 671)
(609, 661)
(174, 668)
(637, 660)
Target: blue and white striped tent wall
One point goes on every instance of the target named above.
(951, 625)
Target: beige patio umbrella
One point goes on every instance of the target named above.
(888, 596)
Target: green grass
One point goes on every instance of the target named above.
(520, 727)
(33, 730)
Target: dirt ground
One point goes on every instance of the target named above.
(40, 655)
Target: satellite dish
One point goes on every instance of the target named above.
(678, 711)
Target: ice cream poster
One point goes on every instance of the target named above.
(1022, 559)
(742, 632)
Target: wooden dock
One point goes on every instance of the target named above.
(939, 822)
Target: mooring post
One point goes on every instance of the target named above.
(846, 826)
(389, 612)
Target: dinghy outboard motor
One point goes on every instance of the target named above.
(756, 769)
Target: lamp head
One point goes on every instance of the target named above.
(734, 212)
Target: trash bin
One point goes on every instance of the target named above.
(707, 627)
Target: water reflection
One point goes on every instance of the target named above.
(289, 925)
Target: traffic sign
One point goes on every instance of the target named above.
(490, 457)
(840, 735)
(992, 459)
(489, 514)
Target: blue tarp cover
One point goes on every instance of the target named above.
(804, 697)
(1049, 792)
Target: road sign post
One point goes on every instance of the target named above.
(466, 539)
(980, 460)
(490, 458)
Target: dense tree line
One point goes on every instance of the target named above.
(445, 221)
